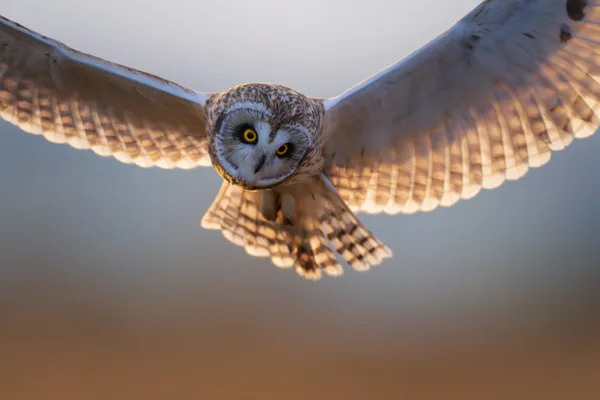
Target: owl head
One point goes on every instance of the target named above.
(262, 135)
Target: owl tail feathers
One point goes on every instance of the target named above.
(250, 220)
(302, 229)
(328, 227)
(347, 235)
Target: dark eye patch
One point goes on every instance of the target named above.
(241, 129)
(289, 152)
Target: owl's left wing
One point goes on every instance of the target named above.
(50, 89)
(508, 84)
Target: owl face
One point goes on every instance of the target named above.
(262, 135)
(258, 149)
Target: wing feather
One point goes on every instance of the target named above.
(495, 95)
(49, 89)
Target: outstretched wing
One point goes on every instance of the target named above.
(49, 89)
(493, 96)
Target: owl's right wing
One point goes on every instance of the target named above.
(49, 89)
(496, 94)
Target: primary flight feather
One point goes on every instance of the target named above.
(508, 84)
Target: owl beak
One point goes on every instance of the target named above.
(260, 163)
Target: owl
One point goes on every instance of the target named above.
(481, 104)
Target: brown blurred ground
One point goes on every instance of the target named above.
(248, 364)
(77, 350)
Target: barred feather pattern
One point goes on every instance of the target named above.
(307, 241)
(512, 83)
(66, 96)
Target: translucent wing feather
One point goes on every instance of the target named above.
(493, 96)
(49, 89)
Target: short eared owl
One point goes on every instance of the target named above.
(508, 84)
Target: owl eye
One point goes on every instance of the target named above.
(249, 135)
(282, 150)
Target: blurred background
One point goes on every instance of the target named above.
(109, 288)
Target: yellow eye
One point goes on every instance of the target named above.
(282, 150)
(250, 136)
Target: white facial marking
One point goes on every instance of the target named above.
(249, 105)
(300, 128)
(256, 164)
(263, 130)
